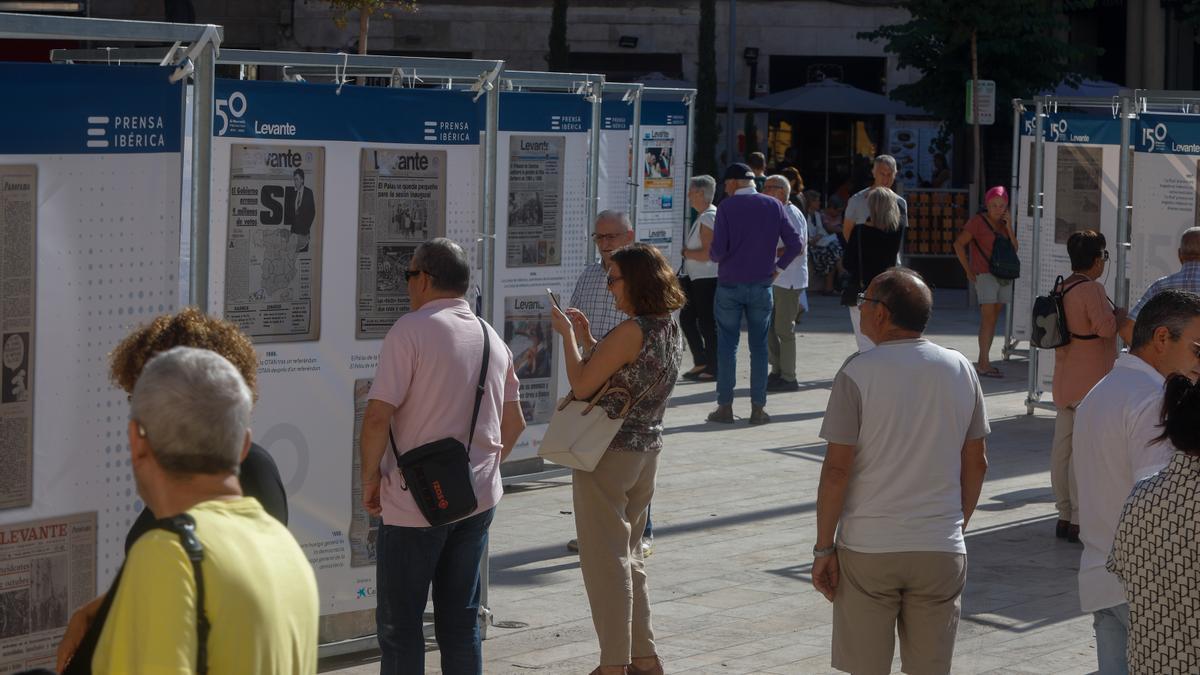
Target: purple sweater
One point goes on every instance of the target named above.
(747, 233)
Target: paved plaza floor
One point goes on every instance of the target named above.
(735, 522)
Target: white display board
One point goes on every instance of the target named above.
(1022, 307)
(542, 240)
(616, 156)
(1081, 168)
(661, 167)
(387, 168)
(1165, 185)
(90, 176)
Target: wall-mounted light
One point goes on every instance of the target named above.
(627, 41)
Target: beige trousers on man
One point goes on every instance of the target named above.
(781, 340)
(610, 515)
(1062, 474)
(916, 594)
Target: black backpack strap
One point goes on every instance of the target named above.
(184, 526)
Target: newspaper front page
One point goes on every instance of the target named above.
(273, 245)
(656, 215)
(18, 251)
(364, 527)
(47, 569)
(535, 201)
(401, 203)
(530, 337)
(1077, 195)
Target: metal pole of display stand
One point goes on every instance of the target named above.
(1014, 192)
(1039, 156)
(491, 143)
(1123, 206)
(203, 93)
(635, 141)
(688, 165)
(596, 98)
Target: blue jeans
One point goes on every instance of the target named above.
(731, 303)
(649, 531)
(408, 560)
(1112, 632)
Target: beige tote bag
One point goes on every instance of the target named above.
(581, 431)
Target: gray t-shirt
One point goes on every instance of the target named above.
(858, 212)
(907, 406)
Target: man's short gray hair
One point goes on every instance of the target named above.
(1189, 243)
(195, 408)
(614, 216)
(707, 185)
(446, 262)
(907, 297)
(780, 181)
(886, 159)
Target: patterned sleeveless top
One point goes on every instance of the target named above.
(656, 367)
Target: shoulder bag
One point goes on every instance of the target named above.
(1050, 329)
(1003, 263)
(438, 473)
(855, 284)
(581, 431)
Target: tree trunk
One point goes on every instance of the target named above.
(364, 26)
(977, 169)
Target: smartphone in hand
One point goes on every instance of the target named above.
(554, 299)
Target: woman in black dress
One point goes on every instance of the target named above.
(871, 249)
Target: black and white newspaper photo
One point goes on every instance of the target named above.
(535, 201)
(47, 569)
(364, 527)
(530, 337)
(401, 203)
(18, 251)
(1077, 193)
(273, 244)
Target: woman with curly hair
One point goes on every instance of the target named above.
(258, 474)
(641, 355)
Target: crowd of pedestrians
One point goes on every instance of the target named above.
(213, 579)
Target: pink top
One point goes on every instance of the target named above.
(983, 235)
(1080, 364)
(428, 368)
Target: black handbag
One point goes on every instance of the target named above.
(438, 473)
(851, 290)
(1003, 263)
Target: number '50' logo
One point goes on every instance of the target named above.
(234, 105)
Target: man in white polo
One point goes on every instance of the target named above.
(906, 425)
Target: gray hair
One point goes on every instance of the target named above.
(446, 262)
(907, 298)
(707, 185)
(884, 207)
(195, 409)
(886, 159)
(1189, 243)
(780, 181)
(1172, 309)
(614, 216)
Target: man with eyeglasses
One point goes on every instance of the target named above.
(906, 426)
(1117, 443)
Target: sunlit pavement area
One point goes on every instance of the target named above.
(735, 522)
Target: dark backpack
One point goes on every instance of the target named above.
(1004, 263)
(1049, 327)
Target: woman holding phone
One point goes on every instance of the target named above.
(974, 250)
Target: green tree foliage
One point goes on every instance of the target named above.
(1017, 47)
(342, 9)
(559, 49)
(706, 92)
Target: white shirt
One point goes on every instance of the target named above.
(796, 274)
(1112, 450)
(697, 269)
(907, 407)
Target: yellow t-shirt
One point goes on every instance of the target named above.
(259, 590)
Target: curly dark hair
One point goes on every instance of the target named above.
(650, 282)
(188, 328)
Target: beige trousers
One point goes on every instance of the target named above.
(610, 515)
(915, 594)
(781, 340)
(1062, 474)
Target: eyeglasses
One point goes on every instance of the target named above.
(862, 298)
(612, 280)
(1105, 254)
(410, 274)
(598, 238)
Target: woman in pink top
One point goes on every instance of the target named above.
(974, 250)
(1081, 363)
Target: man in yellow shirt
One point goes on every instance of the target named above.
(188, 431)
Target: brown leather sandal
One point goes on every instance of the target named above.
(656, 670)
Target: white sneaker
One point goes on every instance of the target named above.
(647, 546)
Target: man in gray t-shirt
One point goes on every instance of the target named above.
(905, 425)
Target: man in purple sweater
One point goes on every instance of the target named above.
(748, 229)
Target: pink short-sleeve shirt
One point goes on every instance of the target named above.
(428, 367)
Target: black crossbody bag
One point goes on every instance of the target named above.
(438, 474)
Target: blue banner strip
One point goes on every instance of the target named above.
(616, 115)
(305, 111)
(535, 111)
(59, 109)
(664, 113)
(1167, 134)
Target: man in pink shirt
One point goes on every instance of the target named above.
(1080, 364)
(424, 390)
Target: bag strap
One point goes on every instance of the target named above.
(184, 526)
(608, 388)
(479, 389)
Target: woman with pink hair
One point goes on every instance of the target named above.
(980, 234)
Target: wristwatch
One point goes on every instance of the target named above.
(824, 552)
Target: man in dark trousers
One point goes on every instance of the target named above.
(300, 211)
